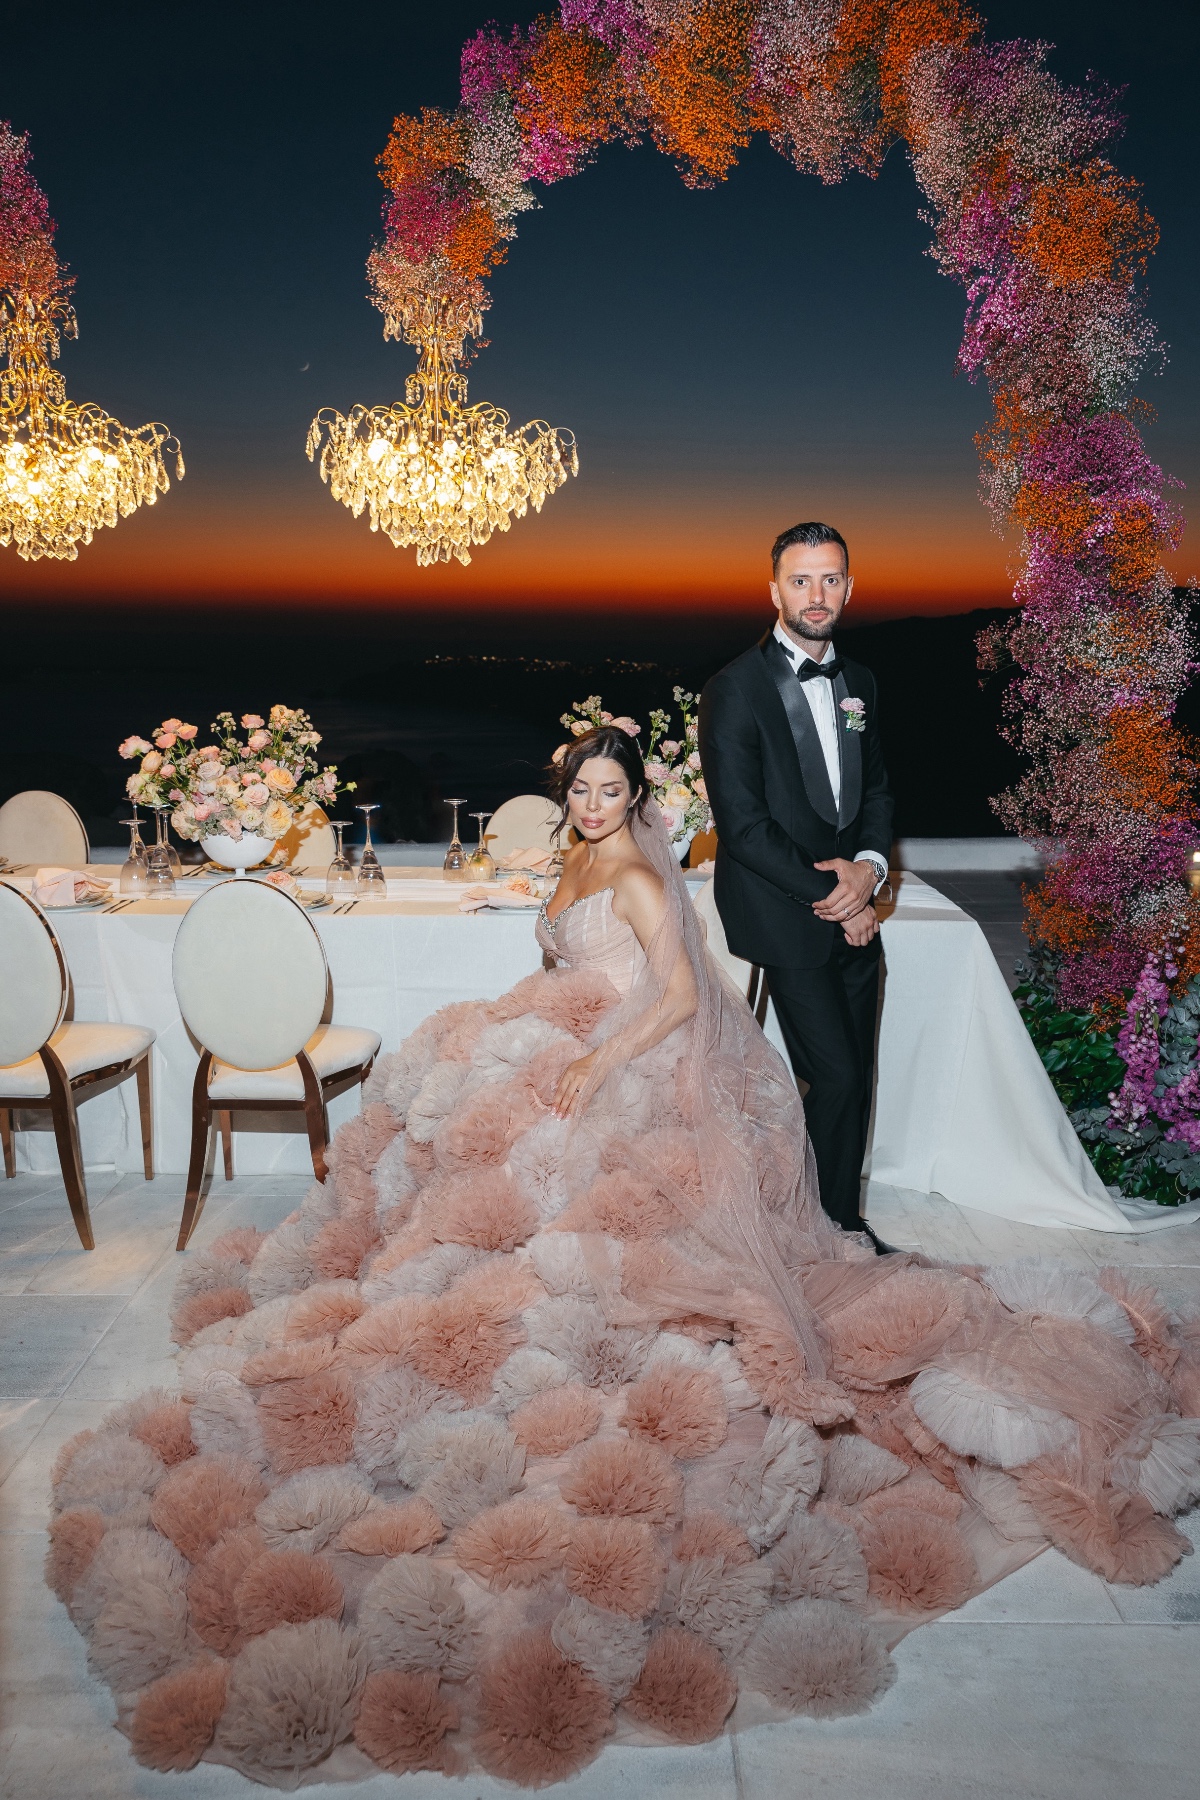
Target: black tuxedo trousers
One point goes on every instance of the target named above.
(827, 1017)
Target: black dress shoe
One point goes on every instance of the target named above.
(881, 1249)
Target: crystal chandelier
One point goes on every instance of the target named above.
(65, 470)
(434, 472)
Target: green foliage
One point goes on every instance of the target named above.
(1086, 1069)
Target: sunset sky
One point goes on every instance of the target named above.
(730, 361)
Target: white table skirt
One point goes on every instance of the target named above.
(963, 1106)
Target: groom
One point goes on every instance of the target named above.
(789, 738)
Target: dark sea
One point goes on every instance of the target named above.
(415, 709)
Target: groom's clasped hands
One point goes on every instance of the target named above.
(849, 905)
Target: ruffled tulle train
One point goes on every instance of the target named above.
(484, 1458)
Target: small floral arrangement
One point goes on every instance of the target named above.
(672, 764)
(856, 714)
(232, 786)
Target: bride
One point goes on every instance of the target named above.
(561, 1413)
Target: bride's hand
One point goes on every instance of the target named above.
(574, 1079)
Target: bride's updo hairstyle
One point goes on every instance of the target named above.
(614, 745)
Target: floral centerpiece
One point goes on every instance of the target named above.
(236, 791)
(672, 764)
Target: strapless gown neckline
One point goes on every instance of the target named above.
(587, 934)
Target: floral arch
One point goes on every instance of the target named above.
(1049, 242)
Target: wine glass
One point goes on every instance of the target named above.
(160, 880)
(341, 883)
(481, 866)
(455, 865)
(173, 857)
(132, 879)
(372, 882)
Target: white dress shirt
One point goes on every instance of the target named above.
(824, 709)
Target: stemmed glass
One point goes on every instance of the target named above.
(455, 866)
(340, 879)
(372, 882)
(482, 866)
(160, 878)
(133, 870)
(164, 837)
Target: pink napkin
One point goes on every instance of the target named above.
(516, 891)
(537, 860)
(65, 887)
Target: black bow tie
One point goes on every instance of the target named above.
(809, 670)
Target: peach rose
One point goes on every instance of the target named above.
(277, 820)
(559, 754)
(258, 740)
(133, 746)
(258, 794)
(152, 764)
(187, 732)
(629, 726)
(208, 752)
(280, 782)
(203, 811)
(170, 725)
(165, 739)
(250, 721)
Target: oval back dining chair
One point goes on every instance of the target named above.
(251, 981)
(309, 841)
(40, 827)
(525, 822)
(45, 1063)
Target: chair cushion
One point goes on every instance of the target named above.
(80, 1048)
(333, 1048)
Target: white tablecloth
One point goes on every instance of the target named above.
(963, 1107)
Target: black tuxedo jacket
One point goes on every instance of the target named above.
(773, 806)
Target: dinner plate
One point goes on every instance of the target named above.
(79, 905)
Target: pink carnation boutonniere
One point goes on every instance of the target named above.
(856, 714)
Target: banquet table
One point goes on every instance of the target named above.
(963, 1107)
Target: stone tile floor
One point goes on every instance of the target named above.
(1052, 1686)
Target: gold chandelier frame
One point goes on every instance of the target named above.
(433, 473)
(66, 470)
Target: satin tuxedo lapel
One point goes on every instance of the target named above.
(804, 734)
(850, 753)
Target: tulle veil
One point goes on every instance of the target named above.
(761, 1210)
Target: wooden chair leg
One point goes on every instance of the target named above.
(66, 1136)
(315, 1115)
(225, 1121)
(201, 1120)
(146, 1113)
(6, 1138)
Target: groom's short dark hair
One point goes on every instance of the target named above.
(811, 533)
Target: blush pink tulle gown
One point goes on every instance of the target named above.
(521, 1436)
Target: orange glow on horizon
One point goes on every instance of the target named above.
(669, 550)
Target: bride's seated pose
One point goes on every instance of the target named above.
(561, 1411)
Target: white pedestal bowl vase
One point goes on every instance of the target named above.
(238, 854)
(682, 844)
